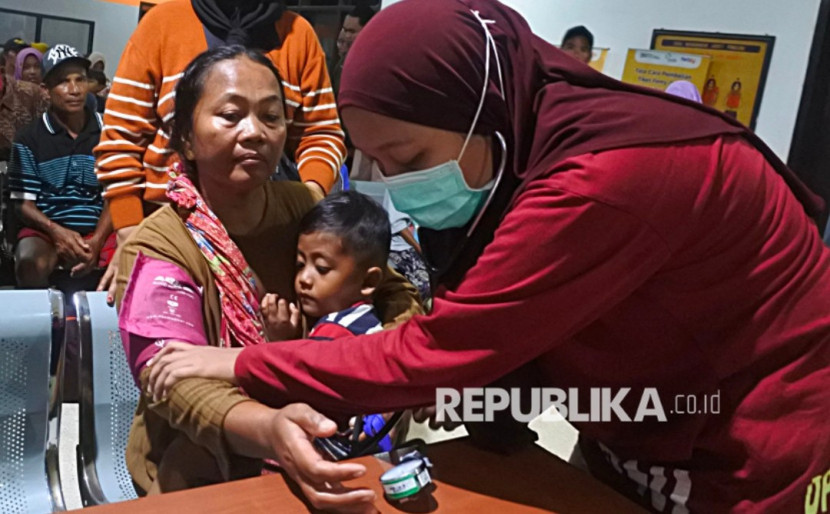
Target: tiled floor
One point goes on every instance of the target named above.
(68, 460)
(558, 437)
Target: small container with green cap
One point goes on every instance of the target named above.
(406, 480)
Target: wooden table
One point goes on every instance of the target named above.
(468, 480)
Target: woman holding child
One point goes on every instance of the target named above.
(606, 235)
(201, 268)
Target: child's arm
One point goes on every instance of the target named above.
(407, 236)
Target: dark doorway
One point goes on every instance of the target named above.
(810, 149)
(143, 7)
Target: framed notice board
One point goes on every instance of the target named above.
(738, 70)
(658, 69)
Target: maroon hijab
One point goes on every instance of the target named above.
(422, 61)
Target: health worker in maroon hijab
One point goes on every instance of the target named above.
(583, 234)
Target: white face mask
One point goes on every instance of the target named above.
(439, 197)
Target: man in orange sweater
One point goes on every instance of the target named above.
(134, 154)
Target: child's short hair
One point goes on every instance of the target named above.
(360, 222)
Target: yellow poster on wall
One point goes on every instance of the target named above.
(655, 69)
(735, 83)
(598, 56)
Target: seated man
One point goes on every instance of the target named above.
(52, 180)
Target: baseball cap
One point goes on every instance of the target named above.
(59, 55)
(14, 44)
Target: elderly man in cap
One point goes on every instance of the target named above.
(52, 180)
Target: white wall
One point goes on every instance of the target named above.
(114, 23)
(621, 25)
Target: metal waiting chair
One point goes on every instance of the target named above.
(107, 404)
(30, 323)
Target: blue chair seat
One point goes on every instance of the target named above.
(29, 408)
(108, 401)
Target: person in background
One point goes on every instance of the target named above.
(134, 153)
(20, 102)
(684, 89)
(52, 180)
(29, 66)
(97, 62)
(578, 43)
(97, 88)
(10, 50)
(405, 251)
(353, 23)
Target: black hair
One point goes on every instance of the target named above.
(191, 85)
(361, 224)
(97, 76)
(579, 31)
(363, 12)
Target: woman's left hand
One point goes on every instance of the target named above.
(184, 360)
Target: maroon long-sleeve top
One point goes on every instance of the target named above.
(690, 268)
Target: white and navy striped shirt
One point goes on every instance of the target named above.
(57, 172)
(359, 319)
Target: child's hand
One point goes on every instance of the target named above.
(282, 319)
(177, 361)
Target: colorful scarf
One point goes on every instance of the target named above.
(241, 322)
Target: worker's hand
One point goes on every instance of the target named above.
(177, 361)
(293, 429)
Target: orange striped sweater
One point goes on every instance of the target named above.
(133, 154)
